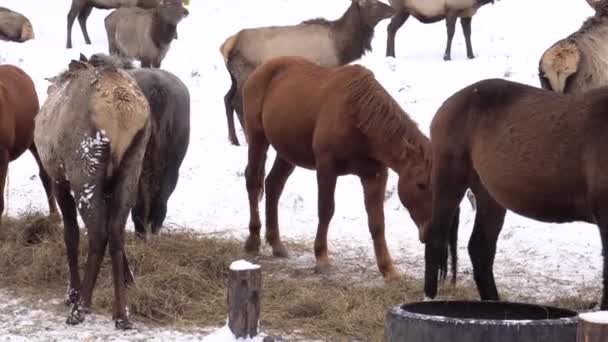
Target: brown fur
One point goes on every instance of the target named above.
(577, 63)
(432, 11)
(325, 42)
(18, 108)
(119, 111)
(92, 133)
(83, 8)
(15, 26)
(336, 121)
(535, 152)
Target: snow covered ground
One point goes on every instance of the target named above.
(508, 39)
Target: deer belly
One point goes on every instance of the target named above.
(292, 140)
(534, 196)
(436, 8)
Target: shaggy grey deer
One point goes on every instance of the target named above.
(91, 135)
(15, 26)
(325, 42)
(83, 8)
(144, 34)
(578, 62)
(169, 101)
(432, 11)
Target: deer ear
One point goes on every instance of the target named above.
(52, 79)
(76, 65)
(83, 58)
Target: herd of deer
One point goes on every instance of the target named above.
(132, 141)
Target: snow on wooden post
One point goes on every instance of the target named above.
(244, 287)
(592, 327)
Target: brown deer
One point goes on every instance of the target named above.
(91, 135)
(144, 34)
(578, 62)
(432, 11)
(328, 43)
(14, 26)
(83, 8)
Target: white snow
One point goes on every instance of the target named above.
(599, 317)
(534, 261)
(243, 265)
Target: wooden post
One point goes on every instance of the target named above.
(592, 327)
(244, 289)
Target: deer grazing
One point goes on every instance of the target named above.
(578, 62)
(325, 42)
(14, 26)
(432, 11)
(83, 8)
(144, 34)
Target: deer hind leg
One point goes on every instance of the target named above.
(326, 182)
(489, 219)
(254, 179)
(71, 236)
(275, 183)
(92, 208)
(396, 22)
(599, 198)
(82, 20)
(4, 160)
(374, 188)
(74, 10)
(228, 100)
(46, 183)
(450, 22)
(466, 30)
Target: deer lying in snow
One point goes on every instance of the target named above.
(144, 34)
(432, 11)
(578, 62)
(14, 26)
(328, 43)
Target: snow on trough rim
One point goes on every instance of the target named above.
(534, 261)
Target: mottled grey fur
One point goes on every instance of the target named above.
(91, 134)
(169, 101)
(144, 34)
(15, 26)
(325, 42)
(578, 62)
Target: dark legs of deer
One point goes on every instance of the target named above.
(4, 160)
(448, 190)
(254, 179)
(466, 30)
(275, 183)
(46, 183)
(374, 188)
(396, 22)
(326, 182)
(600, 211)
(228, 98)
(74, 10)
(450, 22)
(82, 20)
(71, 238)
(489, 219)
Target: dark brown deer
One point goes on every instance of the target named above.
(432, 11)
(83, 8)
(327, 43)
(578, 62)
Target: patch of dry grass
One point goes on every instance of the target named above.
(180, 281)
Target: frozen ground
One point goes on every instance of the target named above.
(534, 260)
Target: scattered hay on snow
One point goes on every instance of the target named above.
(180, 281)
